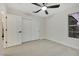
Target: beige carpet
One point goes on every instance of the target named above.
(41, 48)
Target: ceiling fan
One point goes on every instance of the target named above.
(44, 7)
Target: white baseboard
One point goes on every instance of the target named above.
(66, 44)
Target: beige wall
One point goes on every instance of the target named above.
(57, 28)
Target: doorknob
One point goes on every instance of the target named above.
(19, 31)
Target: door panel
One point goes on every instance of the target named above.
(13, 23)
(27, 30)
(30, 30)
(35, 29)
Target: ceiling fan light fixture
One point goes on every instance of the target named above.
(44, 8)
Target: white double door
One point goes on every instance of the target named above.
(20, 30)
(31, 29)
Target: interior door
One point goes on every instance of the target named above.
(30, 30)
(13, 30)
(35, 29)
(27, 30)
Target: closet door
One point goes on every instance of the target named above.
(35, 29)
(27, 30)
(30, 30)
(13, 30)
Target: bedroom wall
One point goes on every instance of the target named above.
(57, 28)
(31, 17)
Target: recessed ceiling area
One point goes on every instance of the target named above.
(30, 8)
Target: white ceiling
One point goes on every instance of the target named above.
(29, 8)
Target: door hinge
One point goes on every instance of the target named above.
(6, 42)
(5, 29)
(2, 35)
(6, 17)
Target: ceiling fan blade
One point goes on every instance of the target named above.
(37, 11)
(46, 12)
(54, 6)
(37, 4)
